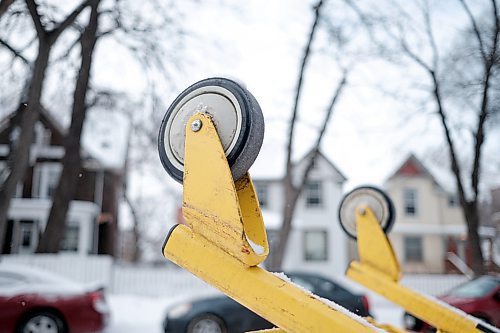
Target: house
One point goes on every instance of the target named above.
(316, 241)
(429, 220)
(93, 213)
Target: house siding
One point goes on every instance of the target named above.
(88, 205)
(321, 218)
(435, 221)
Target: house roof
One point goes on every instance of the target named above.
(106, 137)
(270, 165)
(327, 160)
(103, 140)
(413, 167)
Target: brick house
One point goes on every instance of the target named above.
(92, 222)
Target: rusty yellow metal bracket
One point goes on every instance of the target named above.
(225, 239)
(378, 269)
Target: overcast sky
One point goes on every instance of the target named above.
(260, 43)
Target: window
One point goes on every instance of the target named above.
(313, 193)
(314, 164)
(413, 249)
(46, 179)
(52, 181)
(315, 245)
(4, 173)
(476, 288)
(27, 236)
(410, 202)
(42, 135)
(70, 240)
(262, 190)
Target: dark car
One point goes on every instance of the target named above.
(221, 314)
(35, 301)
(479, 297)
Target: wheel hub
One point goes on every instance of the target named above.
(225, 112)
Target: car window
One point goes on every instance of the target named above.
(476, 288)
(10, 279)
(317, 285)
(303, 283)
(326, 286)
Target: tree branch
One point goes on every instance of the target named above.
(414, 56)
(70, 19)
(489, 62)
(35, 16)
(430, 35)
(455, 167)
(329, 112)
(475, 27)
(16, 53)
(298, 90)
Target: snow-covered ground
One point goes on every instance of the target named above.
(131, 314)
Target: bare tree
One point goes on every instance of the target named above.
(30, 107)
(121, 21)
(72, 162)
(453, 89)
(136, 221)
(293, 190)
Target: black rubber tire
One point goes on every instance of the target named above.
(249, 141)
(388, 220)
(210, 317)
(50, 316)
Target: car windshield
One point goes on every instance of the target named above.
(476, 288)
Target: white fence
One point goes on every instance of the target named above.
(146, 280)
(117, 278)
(76, 267)
(168, 280)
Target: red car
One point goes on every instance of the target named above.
(479, 298)
(35, 301)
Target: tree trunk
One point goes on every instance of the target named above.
(68, 181)
(291, 193)
(291, 197)
(471, 214)
(19, 158)
(136, 254)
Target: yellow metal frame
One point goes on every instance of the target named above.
(225, 239)
(378, 269)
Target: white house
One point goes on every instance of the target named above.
(316, 242)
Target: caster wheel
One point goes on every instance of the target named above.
(237, 117)
(375, 199)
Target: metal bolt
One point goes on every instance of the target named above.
(196, 125)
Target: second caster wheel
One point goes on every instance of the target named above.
(367, 196)
(237, 117)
